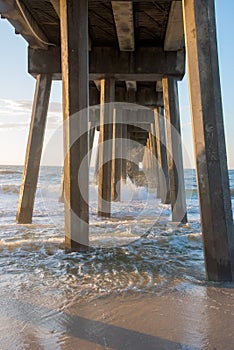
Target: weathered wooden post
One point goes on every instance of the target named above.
(174, 150)
(34, 149)
(105, 146)
(74, 57)
(209, 139)
(162, 155)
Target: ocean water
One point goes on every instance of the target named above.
(130, 250)
(136, 254)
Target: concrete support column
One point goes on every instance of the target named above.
(34, 149)
(91, 139)
(96, 166)
(105, 146)
(155, 155)
(124, 151)
(117, 154)
(164, 192)
(61, 190)
(209, 139)
(145, 160)
(150, 149)
(75, 82)
(174, 150)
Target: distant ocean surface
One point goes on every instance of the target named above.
(137, 251)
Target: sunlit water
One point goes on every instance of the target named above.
(136, 252)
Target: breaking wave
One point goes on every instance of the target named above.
(9, 172)
(10, 189)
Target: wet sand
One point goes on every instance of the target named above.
(197, 318)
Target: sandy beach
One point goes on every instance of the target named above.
(201, 318)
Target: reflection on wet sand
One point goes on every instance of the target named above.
(181, 319)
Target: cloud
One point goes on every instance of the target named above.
(16, 114)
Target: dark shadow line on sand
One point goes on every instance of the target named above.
(97, 332)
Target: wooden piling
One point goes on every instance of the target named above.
(105, 147)
(34, 149)
(74, 57)
(209, 139)
(174, 150)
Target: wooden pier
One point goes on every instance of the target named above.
(130, 52)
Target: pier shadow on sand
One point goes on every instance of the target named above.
(64, 326)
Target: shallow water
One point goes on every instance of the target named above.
(138, 259)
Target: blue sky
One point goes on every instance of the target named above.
(17, 90)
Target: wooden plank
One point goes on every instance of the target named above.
(209, 139)
(123, 16)
(175, 31)
(34, 149)
(74, 40)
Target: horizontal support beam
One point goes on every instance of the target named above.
(145, 96)
(136, 118)
(175, 29)
(145, 64)
(143, 1)
(124, 23)
(140, 130)
(56, 6)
